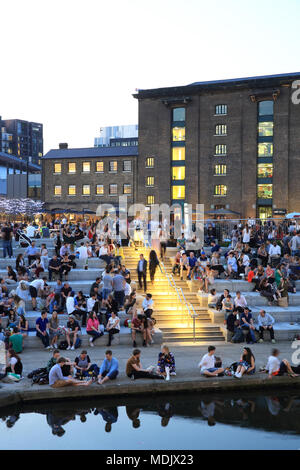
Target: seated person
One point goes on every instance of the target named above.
(265, 323)
(134, 368)
(16, 341)
(13, 363)
(83, 365)
(109, 368)
(207, 364)
(246, 364)
(247, 324)
(276, 367)
(148, 305)
(72, 332)
(57, 379)
(212, 298)
(166, 362)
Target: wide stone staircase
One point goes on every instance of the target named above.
(174, 303)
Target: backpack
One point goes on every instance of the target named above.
(36, 372)
(63, 345)
(77, 343)
(238, 337)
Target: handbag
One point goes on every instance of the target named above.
(283, 302)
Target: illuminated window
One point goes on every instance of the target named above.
(265, 129)
(221, 109)
(265, 149)
(57, 190)
(72, 190)
(127, 189)
(265, 191)
(178, 192)
(57, 167)
(113, 167)
(178, 172)
(150, 181)
(178, 134)
(86, 190)
(221, 129)
(266, 108)
(127, 165)
(265, 170)
(99, 189)
(99, 167)
(221, 150)
(113, 189)
(72, 167)
(178, 153)
(86, 167)
(150, 199)
(178, 114)
(220, 169)
(264, 212)
(149, 162)
(220, 190)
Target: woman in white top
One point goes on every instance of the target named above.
(112, 327)
(246, 234)
(44, 257)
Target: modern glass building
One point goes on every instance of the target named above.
(117, 136)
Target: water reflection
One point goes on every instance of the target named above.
(272, 413)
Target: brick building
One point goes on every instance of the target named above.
(81, 179)
(232, 144)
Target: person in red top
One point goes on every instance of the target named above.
(93, 328)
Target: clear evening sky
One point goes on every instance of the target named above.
(73, 65)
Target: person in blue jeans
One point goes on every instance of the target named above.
(109, 368)
(41, 326)
(6, 238)
(248, 325)
(246, 364)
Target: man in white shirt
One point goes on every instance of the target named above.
(240, 302)
(83, 254)
(91, 302)
(34, 288)
(148, 305)
(70, 303)
(207, 364)
(276, 367)
(274, 251)
(30, 231)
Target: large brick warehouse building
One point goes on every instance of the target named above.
(232, 144)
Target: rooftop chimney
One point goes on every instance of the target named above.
(63, 145)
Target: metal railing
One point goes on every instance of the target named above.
(175, 288)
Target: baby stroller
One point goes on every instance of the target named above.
(23, 239)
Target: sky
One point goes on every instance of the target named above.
(74, 65)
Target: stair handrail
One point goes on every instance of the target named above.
(173, 286)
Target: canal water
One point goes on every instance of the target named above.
(195, 421)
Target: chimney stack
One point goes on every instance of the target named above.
(63, 145)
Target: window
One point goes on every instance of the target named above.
(57, 190)
(72, 167)
(266, 108)
(265, 129)
(99, 189)
(178, 114)
(72, 190)
(264, 212)
(149, 162)
(127, 165)
(220, 170)
(99, 167)
(57, 167)
(265, 170)
(150, 199)
(221, 150)
(178, 192)
(113, 189)
(221, 109)
(178, 172)
(127, 189)
(220, 190)
(86, 167)
(150, 181)
(178, 134)
(178, 153)
(221, 129)
(265, 191)
(113, 167)
(265, 149)
(86, 190)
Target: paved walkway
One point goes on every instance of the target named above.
(187, 379)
